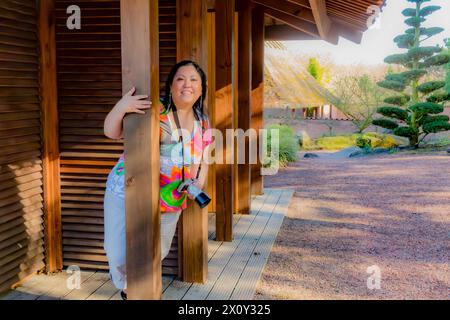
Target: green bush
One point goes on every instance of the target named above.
(289, 144)
(364, 142)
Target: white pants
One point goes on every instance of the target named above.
(115, 231)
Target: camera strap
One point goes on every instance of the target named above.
(180, 139)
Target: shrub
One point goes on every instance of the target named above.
(364, 142)
(288, 146)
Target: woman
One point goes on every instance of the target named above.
(182, 111)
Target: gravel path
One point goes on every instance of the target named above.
(387, 212)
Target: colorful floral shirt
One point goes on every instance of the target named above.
(171, 161)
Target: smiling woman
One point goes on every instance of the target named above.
(182, 111)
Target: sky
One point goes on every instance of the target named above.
(377, 42)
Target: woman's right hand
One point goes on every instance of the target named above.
(133, 104)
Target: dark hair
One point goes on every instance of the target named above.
(198, 105)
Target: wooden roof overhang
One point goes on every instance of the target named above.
(316, 19)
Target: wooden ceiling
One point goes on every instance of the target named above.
(316, 19)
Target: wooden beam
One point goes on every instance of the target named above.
(303, 3)
(224, 23)
(192, 43)
(244, 101)
(50, 133)
(323, 22)
(285, 32)
(257, 92)
(294, 22)
(314, 13)
(289, 8)
(140, 68)
(346, 30)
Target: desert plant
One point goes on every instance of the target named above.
(414, 111)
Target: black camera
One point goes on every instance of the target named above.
(199, 195)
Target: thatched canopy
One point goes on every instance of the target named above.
(288, 83)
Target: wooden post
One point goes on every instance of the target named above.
(192, 44)
(224, 116)
(257, 92)
(211, 100)
(50, 135)
(140, 68)
(235, 104)
(244, 101)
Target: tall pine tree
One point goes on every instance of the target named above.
(414, 112)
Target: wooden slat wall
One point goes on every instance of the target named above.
(21, 202)
(167, 58)
(167, 39)
(89, 84)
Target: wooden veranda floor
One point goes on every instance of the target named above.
(234, 268)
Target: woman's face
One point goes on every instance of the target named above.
(186, 86)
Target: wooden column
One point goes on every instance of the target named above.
(50, 134)
(224, 116)
(211, 101)
(192, 44)
(244, 101)
(140, 68)
(257, 92)
(235, 103)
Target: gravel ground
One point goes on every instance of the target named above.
(388, 213)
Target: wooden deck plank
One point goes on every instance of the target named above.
(59, 291)
(176, 290)
(222, 256)
(88, 286)
(166, 281)
(47, 283)
(37, 286)
(246, 286)
(104, 292)
(227, 280)
(234, 267)
(211, 224)
(214, 245)
(116, 296)
(28, 290)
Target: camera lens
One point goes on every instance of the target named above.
(202, 200)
